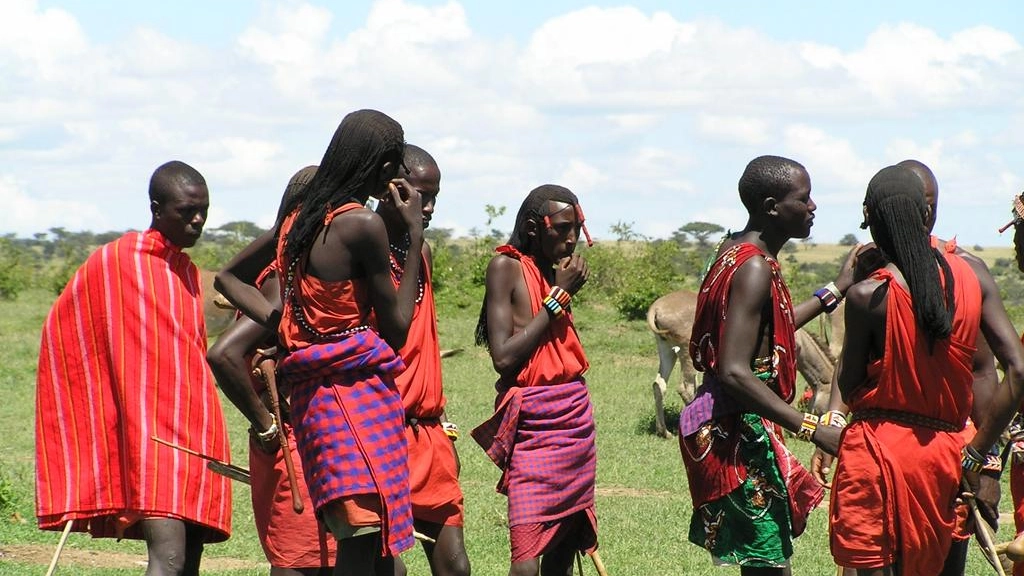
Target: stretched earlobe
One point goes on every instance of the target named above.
(864, 225)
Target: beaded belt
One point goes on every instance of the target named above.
(904, 418)
(415, 422)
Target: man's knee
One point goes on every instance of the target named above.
(448, 555)
(173, 547)
(529, 567)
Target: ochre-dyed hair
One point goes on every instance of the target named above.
(171, 174)
(897, 216)
(767, 177)
(363, 142)
(532, 208)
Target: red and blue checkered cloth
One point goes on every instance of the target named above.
(350, 426)
(542, 438)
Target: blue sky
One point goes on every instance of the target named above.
(647, 110)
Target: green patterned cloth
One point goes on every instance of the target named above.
(750, 526)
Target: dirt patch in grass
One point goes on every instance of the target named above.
(42, 554)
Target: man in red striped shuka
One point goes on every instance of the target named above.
(542, 433)
(123, 360)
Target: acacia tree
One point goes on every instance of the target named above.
(848, 240)
(700, 232)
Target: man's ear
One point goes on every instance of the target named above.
(154, 207)
(531, 227)
(864, 225)
(769, 206)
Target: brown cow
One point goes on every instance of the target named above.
(670, 318)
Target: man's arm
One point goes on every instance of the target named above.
(1002, 339)
(505, 292)
(507, 305)
(227, 360)
(809, 309)
(237, 280)
(749, 297)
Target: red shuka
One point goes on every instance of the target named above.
(123, 359)
(895, 483)
(542, 436)
(433, 471)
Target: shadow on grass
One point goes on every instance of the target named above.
(645, 426)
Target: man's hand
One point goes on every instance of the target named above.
(827, 439)
(407, 201)
(987, 498)
(821, 466)
(572, 273)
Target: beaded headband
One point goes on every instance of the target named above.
(579, 216)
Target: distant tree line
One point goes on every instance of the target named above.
(627, 273)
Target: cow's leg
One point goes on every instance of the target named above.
(666, 362)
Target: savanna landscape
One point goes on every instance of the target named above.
(642, 500)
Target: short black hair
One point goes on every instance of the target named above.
(767, 177)
(170, 174)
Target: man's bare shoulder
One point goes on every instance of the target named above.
(863, 295)
(357, 225)
(503, 265)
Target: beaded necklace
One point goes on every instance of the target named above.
(398, 256)
(300, 316)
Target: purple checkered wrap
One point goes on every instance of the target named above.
(350, 426)
(542, 438)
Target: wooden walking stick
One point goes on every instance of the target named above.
(598, 564)
(60, 547)
(266, 370)
(985, 539)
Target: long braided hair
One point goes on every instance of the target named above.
(532, 208)
(363, 142)
(897, 216)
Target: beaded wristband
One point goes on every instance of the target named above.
(831, 287)
(828, 300)
(451, 430)
(270, 433)
(835, 418)
(807, 427)
(971, 459)
(561, 296)
(553, 306)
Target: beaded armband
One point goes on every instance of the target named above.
(807, 427)
(972, 460)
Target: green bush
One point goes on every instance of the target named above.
(15, 274)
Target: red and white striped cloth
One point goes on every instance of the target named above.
(123, 359)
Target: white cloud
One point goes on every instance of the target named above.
(24, 215)
(627, 107)
(40, 43)
(734, 129)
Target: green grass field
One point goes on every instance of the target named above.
(642, 500)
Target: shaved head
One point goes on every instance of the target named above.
(931, 187)
(170, 176)
(417, 159)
